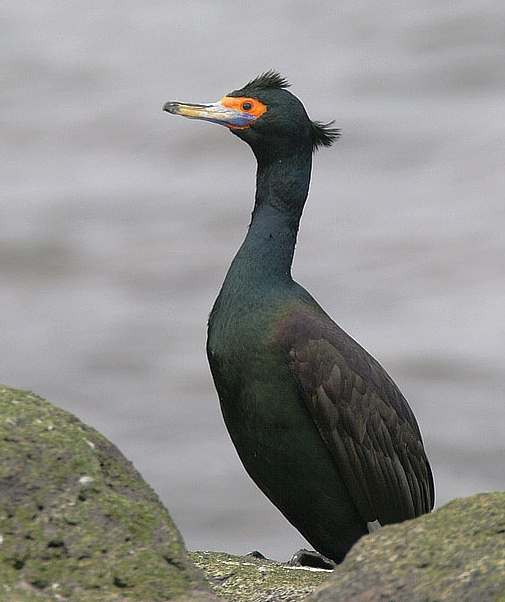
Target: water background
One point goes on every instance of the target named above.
(118, 222)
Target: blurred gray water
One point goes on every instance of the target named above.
(118, 222)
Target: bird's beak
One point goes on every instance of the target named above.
(214, 112)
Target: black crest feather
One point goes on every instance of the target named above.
(269, 79)
(323, 134)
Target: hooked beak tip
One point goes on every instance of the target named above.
(169, 107)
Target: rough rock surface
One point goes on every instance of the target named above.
(455, 554)
(77, 521)
(249, 579)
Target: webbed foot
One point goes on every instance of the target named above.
(311, 558)
(256, 554)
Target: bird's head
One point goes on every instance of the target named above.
(265, 115)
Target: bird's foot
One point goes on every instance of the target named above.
(312, 559)
(256, 554)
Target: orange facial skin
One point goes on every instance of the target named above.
(243, 104)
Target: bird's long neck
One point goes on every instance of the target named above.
(266, 255)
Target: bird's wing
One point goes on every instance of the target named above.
(363, 418)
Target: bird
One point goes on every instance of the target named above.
(318, 424)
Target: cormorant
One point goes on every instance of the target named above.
(318, 424)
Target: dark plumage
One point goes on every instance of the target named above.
(317, 422)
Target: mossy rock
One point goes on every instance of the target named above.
(77, 521)
(249, 579)
(455, 554)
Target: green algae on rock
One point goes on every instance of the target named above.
(455, 554)
(77, 520)
(249, 579)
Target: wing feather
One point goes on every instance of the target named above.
(363, 418)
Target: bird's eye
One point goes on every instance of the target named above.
(247, 106)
